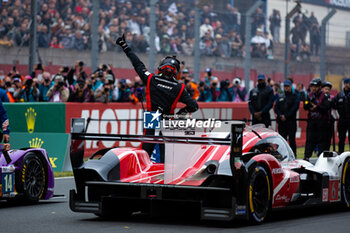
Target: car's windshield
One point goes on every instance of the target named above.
(275, 146)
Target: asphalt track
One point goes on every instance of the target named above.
(55, 216)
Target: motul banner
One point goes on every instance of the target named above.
(121, 118)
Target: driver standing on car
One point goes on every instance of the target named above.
(4, 121)
(162, 89)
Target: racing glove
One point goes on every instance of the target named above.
(122, 43)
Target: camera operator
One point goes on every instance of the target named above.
(225, 94)
(137, 91)
(193, 87)
(317, 104)
(9, 88)
(44, 87)
(124, 94)
(214, 89)
(29, 92)
(239, 93)
(208, 76)
(58, 92)
(205, 92)
(104, 94)
(82, 92)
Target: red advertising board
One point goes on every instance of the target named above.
(119, 118)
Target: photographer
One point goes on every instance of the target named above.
(82, 92)
(124, 94)
(58, 92)
(205, 92)
(105, 93)
(29, 91)
(239, 93)
(225, 94)
(44, 87)
(317, 104)
(214, 89)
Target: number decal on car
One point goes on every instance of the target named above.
(8, 182)
(333, 190)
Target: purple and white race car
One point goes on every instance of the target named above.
(26, 174)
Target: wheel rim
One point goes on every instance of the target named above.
(34, 181)
(260, 194)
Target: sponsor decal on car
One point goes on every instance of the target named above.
(325, 195)
(277, 171)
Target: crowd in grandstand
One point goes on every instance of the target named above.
(67, 24)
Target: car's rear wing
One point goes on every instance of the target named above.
(79, 135)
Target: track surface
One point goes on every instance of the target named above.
(55, 216)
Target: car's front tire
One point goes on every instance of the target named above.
(259, 194)
(345, 183)
(31, 178)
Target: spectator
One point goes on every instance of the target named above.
(82, 92)
(205, 92)
(315, 39)
(341, 104)
(29, 93)
(304, 53)
(43, 37)
(124, 91)
(214, 88)
(239, 93)
(286, 108)
(207, 45)
(223, 48)
(269, 46)
(188, 46)
(301, 91)
(293, 52)
(44, 87)
(206, 28)
(225, 94)
(140, 44)
(275, 25)
(317, 104)
(58, 92)
(79, 41)
(260, 102)
(22, 35)
(258, 20)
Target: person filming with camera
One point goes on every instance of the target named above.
(29, 91)
(58, 92)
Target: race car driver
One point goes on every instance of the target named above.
(162, 89)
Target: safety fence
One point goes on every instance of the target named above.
(47, 125)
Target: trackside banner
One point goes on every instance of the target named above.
(55, 144)
(119, 118)
(36, 117)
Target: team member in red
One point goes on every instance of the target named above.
(162, 89)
